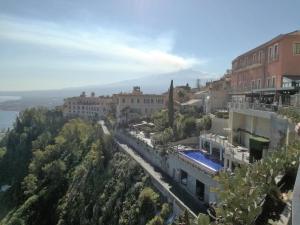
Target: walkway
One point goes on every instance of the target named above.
(169, 186)
(104, 127)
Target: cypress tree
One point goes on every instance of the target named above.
(171, 106)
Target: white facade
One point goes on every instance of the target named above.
(87, 106)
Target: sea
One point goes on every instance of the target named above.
(7, 118)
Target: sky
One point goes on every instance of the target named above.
(53, 44)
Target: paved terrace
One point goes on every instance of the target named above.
(141, 136)
(238, 153)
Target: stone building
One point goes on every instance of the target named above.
(130, 106)
(87, 106)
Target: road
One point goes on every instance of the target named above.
(104, 127)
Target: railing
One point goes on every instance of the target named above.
(254, 106)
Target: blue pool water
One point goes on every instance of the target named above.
(201, 159)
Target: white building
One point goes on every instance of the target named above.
(87, 106)
(134, 105)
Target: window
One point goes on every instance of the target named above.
(276, 51)
(132, 100)
(273, 81)
(253, 84)
(260, 57)
(258, 84)
(183, 177)
(270, 53)
(123, 100)
(200, 190)
(254, 58)
(297, 49)
(268, 82)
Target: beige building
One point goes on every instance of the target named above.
(87, 106)
(130, 106)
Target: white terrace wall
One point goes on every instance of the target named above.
(218, 125)
(175, 164)
(171, 165)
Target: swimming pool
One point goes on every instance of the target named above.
(200, 158)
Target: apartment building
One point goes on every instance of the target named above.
(263, 80)
(130, 106)
(272, 66)
(87, 106)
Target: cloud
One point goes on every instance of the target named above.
(109, 49)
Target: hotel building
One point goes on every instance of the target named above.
(87, 106)
(270, 67)
(263, 80)
(130, 106)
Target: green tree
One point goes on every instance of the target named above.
(189, 126)
(29, 184)
(202, 219)
(148, 200)
(2, 152)
(171, 105)
(165, 211)
(157, 220)
(206, 122)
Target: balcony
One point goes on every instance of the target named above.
(253, 106)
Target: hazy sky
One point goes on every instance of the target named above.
(64, 43)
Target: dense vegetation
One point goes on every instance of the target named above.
(184, 126)
(253, 188)
(65, 172)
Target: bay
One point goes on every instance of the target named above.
(7, 119)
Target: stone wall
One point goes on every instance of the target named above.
(171, 164)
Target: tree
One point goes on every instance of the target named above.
(207, 122)
(165, 211)
(189, 126)
(29, 184)
(186, 218)
(157, 220)
(171, 105)
(148, 200)
(202, 219)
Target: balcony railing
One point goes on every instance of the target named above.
(253, 106)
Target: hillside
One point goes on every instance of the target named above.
(66, 172)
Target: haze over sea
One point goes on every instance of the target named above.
(7, 118)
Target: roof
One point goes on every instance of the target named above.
(132, 94)
(201, 92)
(192, 102)
(277, 38)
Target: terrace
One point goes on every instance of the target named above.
(253, 106)
(219, 148)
